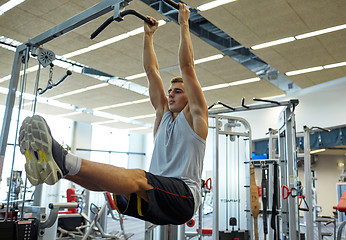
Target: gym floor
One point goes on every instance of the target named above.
(136, 226)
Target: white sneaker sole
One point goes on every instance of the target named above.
(34, 137)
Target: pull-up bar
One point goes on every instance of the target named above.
(119, 18)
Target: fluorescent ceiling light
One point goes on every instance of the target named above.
(103, 114)
(134, 129)
(139, 75)
(198, 61)
(224, 85)
(31, 97)
(9, 5)
(213, 4)
(80, 90)
(217, 86)
(302, 36)
(335, 65)
(210, 58)
(273, 43)
(306, 70)
(68, 114)
(250, 80)
(105, 122)
(143, 116)
(317, 151)
(123, 104)
(319, 32)
(313, 69)
(277, 96)
(97, 45)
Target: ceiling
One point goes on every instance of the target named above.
(246, 22)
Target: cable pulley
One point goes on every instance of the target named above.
(45, 57)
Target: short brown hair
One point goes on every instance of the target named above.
(177, 79)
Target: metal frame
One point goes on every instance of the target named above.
(32, 44)
(216, 169)
(288, 165)
(272, 155)
(308, 184)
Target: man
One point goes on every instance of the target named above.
(170, 192)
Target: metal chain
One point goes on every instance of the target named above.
(50, 81)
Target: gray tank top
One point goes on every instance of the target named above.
(179, 153)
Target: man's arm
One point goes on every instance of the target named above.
(156, 92)
(197, 105)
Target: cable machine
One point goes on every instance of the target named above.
(36, 226)
(279, 169)
(225, 206)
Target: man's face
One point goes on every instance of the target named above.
(177, 98)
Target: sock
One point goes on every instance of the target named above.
(72, 164)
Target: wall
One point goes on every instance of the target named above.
(327, 173)
(137, 144)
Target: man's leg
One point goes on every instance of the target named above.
(47, 161)
(104, 177)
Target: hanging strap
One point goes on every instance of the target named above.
(275, 199)
(265, 199)
(254, 199)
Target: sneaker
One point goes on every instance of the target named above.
(45, 157)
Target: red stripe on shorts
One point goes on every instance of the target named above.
(172, 193)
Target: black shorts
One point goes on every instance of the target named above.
(170, 202)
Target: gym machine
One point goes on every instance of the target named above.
(281, 170)
(34, 227)
(45, 58)
(232, 202)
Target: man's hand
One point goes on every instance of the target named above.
(150, 29)
(184, 14)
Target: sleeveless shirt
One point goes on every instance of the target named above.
(179, 153)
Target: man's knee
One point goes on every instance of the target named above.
(142, 180)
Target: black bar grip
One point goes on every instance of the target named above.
(101, 28)
(266, 100)
(122, 14)
(68, 73)
(173, 4)
(226, 106)
(243, 103)
(211, 106)
(133, 12)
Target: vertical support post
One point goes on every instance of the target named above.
(215, 234)
(148, 233)
(173, 232)
(308, 184)
(248, 205)
(292, 174)
(163, 232)
(181, 232)
(200, 225)
(272, 155)
(283, 204)
(290, 220)
(11, 97)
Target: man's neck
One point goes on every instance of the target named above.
(175, 114)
